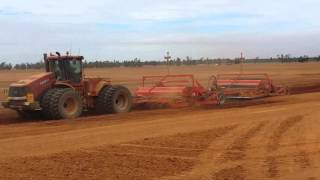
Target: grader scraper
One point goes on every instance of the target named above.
(177, 90)
(249, 86)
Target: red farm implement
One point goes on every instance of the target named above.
(176, 91)
(248, 86)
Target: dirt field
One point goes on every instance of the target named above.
(272, 138)
(286, 74)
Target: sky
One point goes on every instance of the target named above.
(147, 29)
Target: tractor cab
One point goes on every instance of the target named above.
(65, 68)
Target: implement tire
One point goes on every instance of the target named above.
(222, 98)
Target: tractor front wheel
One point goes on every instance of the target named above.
(45, 102)
(65, 103)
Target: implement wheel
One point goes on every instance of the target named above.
(221, 97)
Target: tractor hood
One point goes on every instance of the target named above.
(36, 84)
(39, 78)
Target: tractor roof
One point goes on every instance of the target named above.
(71, 58)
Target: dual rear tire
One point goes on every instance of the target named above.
(66, 103)
(113, 99)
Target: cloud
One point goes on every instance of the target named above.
(119, 29)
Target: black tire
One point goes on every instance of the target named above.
(101, 105)
(45, 103)
(65, 104)
(114, 99)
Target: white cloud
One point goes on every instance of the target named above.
(146, 28)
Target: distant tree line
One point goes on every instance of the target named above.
(5, 66)
(174, 62)
(285, 58)
(9, 66)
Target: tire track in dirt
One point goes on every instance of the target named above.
(223, 158)
(142, 159)
(233, 173)
(282, 129)
(303, 159)
(272, 162)
(237, 152)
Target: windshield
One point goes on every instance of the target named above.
(73, 69)
(66, 70)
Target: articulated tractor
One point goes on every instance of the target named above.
(62, 91)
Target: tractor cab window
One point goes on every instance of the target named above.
(67, 70)
(73, 68)
(57, 68)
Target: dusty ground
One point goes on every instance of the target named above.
(273, 138)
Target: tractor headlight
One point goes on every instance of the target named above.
(30, 97)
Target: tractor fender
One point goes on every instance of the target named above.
(100, 86)
(63, 85)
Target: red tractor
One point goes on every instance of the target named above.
(62, 92)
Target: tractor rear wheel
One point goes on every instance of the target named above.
(114, 99)
(65, 103)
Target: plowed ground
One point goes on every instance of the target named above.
(272, 138)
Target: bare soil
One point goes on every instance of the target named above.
(272, 138)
